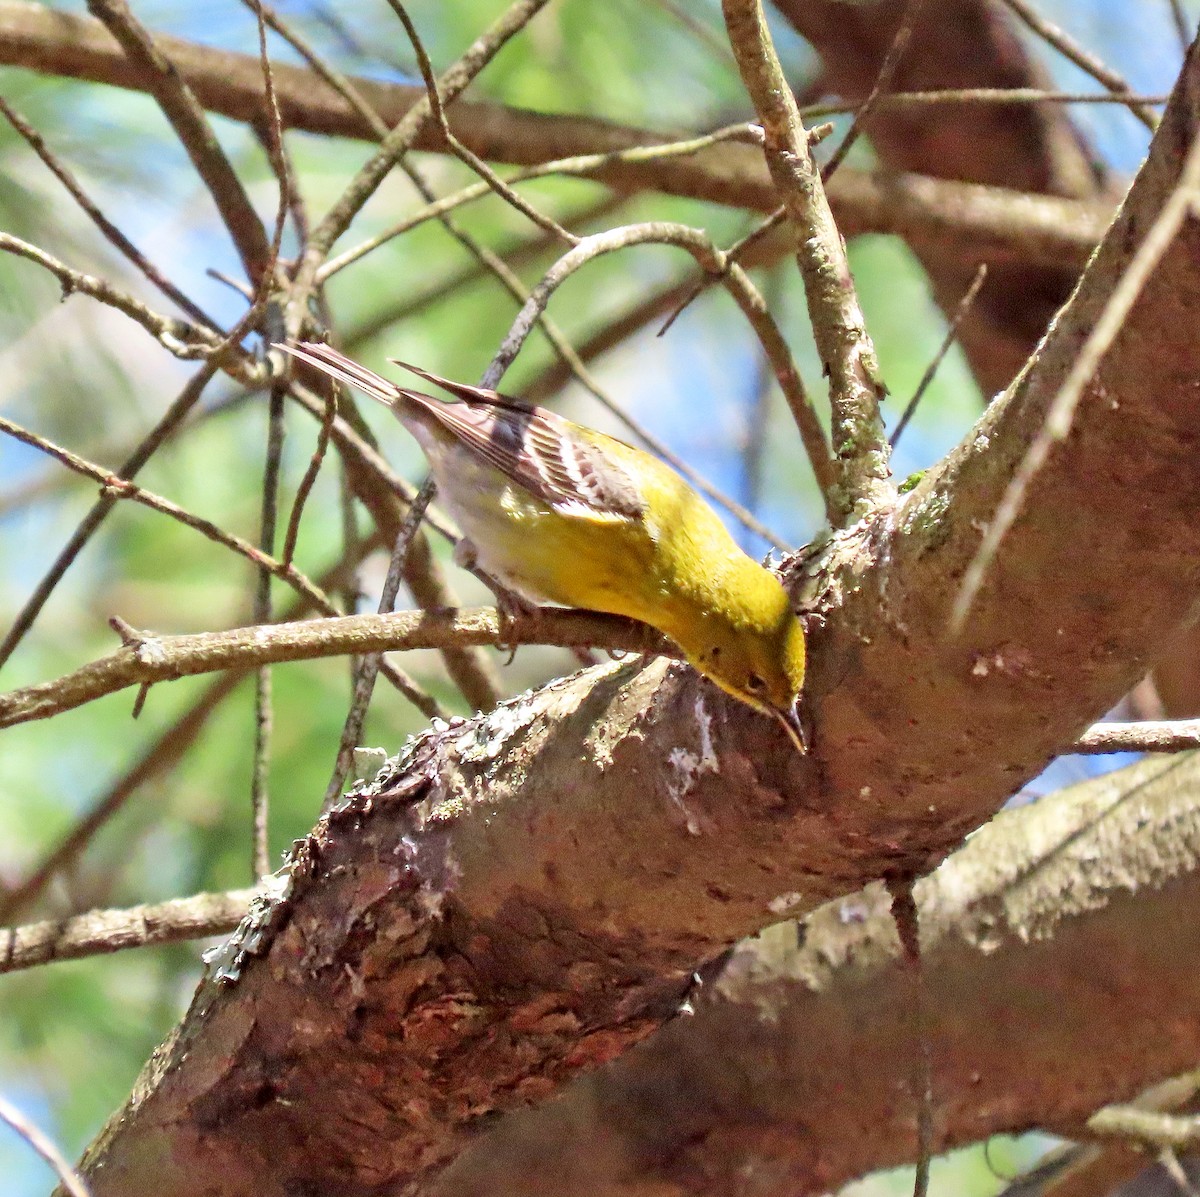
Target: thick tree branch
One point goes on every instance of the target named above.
(794, 1066)
(981, 221)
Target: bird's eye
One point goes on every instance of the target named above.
(755, 685)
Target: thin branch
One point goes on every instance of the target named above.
(113, 234)
(1150, 735)
(887, 71)
(1182, 26)
(167, 424)
(1181, 203)
(164, 658)
(311, 473)
(736, 282)
(260, 771)
(855, 387)
(1000, 97)
(260, 838)
(754, 444)
(41, 1143)
(119, 488)
(1147, 1128)
(186, 116)
(478, 165)
(184, 340)
(368, 666)
(100, 932)
(1061, 41)
(960, 312)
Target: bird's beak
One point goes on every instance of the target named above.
(792, 724)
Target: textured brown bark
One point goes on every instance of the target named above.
(530, 892)
(1058, 927)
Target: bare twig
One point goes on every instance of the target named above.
(184, 340)
(1182, 26)
(964, 306)
(260, 774)
(368, 666)
(119, 488)
(460, 151)
(999, 97)
(260, 839)
(186, 116)
(758, 416)
(100, 932)
(41, 1143)
(171, 419)
(1155, 1129)
(312, 471)
(855, 388)
(1061, 41)
(887, 71)
(57, 168)
(1182, 202)
(907, 921)
(703, 33)
(163, 658)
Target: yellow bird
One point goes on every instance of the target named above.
(565, 514)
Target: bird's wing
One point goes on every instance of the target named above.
(543, 453)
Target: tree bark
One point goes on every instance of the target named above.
(1059, 926)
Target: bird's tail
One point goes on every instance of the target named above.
(337, 365)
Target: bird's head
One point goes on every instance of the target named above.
(761, 664)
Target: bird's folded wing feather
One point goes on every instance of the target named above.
(544, 454)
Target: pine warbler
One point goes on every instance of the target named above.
(568, 515)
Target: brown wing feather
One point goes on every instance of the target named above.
(540, 451)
